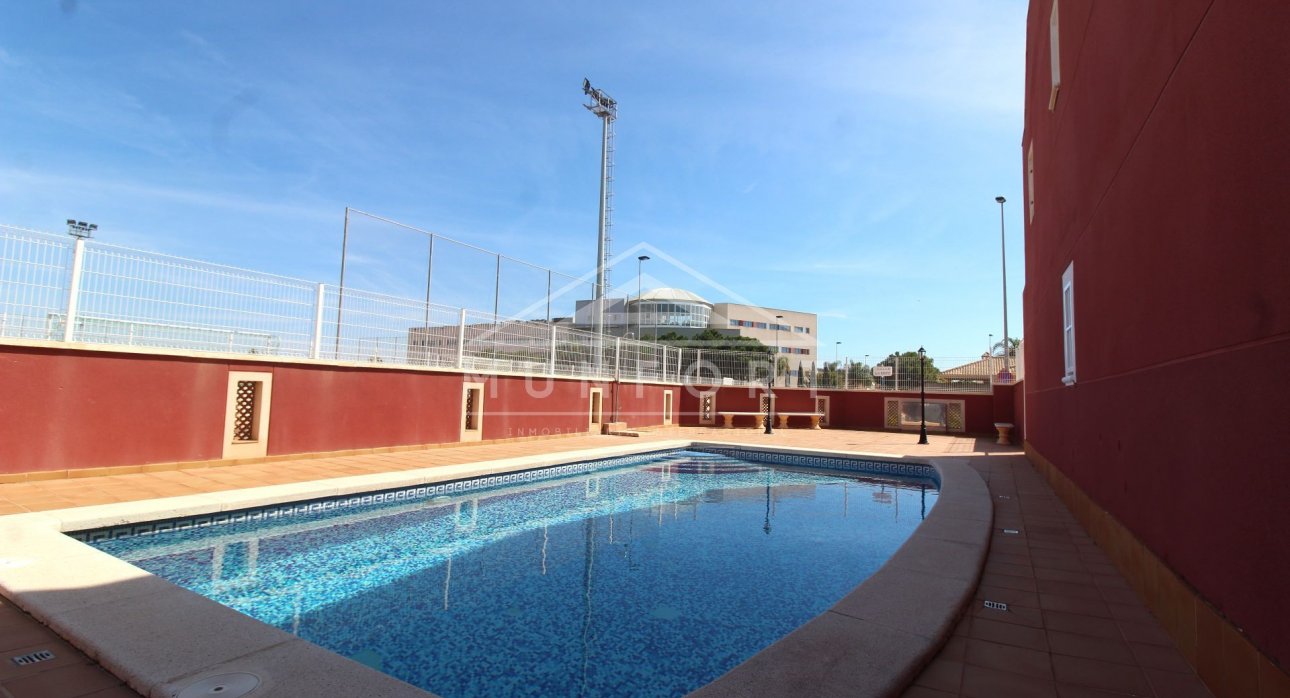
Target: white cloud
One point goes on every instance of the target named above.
(19, 182)
(204, 47)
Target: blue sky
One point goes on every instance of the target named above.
(839, 158)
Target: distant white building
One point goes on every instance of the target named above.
(663, 310)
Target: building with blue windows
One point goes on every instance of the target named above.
(673, 310)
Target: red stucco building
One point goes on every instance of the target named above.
(1157, 306)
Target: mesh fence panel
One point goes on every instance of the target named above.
(131, 297)
(34, 272)
(143, 299)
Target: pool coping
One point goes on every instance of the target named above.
(872, 642)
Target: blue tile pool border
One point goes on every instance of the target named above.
(847, 463)
(461, 486)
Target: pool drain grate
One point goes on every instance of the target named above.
(33, 658)
(222, 685)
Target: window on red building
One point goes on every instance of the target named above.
(1054, 56)
(1068, 323)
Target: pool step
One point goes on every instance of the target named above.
(617, 429)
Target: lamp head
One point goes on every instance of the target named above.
(643, 258)
(1000, 199)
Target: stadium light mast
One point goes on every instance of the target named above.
(605, 107)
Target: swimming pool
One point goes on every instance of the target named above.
(645, 574)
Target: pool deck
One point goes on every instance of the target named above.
(1073, 627)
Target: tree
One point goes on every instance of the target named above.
(752, 363)
(859, 374)
(781, 368)
(1013, 343)
(906, 369)
(712, 339)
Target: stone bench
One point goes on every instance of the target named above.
(1005, 432)
(759, 418)
(783, 418)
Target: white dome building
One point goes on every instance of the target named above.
(670, 307)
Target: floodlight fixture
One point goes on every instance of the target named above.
(80, 229)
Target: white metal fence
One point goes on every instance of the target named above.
(56, 288)
(945, 374)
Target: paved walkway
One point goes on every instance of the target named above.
(1073, 628)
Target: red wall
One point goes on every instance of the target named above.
(641, 404)
(1162, 173)
(1019, 412)
(60, 410)
(324, 408)
(848, 409)
(73, 409)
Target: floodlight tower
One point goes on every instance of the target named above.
(603, 106)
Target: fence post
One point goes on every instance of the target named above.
(698, 365)
(897, 374)
(618, 354)
(662, 374)
(461, 339)
(550, 368)
(74, 289)
(315, 349)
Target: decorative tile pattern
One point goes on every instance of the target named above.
(954, 416)
(893, 414)
(244, 411)
(917, 470)
(552, 588)
(408, 494)
(707, 408)
(456, 487)
(470, 409)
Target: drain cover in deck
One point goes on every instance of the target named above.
(222, 686)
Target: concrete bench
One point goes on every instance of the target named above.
(783, 418)
(1005, 432)
(759, 418)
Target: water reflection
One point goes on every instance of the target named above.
(648, 560)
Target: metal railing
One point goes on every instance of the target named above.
(946, 374)
(56, 288)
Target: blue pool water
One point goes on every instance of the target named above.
(650, 577)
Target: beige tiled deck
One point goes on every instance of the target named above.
(1073, 629)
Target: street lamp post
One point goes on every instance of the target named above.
(770, 381)
(922, 399)
(1003, 255)
(836, 366)
(639, 261)
(777, 347)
